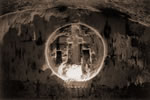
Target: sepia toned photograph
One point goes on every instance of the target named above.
(74, 49)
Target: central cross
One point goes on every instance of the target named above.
(75, 42)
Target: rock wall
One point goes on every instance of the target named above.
(23, 57)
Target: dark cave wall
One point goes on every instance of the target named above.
(23, 53)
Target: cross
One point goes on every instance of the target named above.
(75, 41)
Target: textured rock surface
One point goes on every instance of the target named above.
(138, 10)
(23, 37)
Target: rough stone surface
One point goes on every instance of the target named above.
(138, 10)
(23, 37)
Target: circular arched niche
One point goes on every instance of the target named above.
(75, 52)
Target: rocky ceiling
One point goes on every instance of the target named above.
(136, 10)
